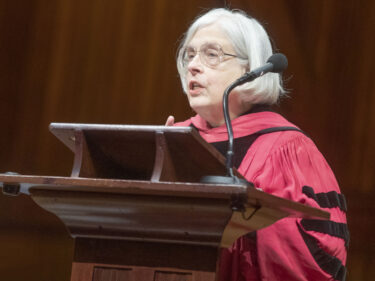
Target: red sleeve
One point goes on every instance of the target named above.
(283, 164)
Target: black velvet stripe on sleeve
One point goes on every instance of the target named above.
(332, 228)
(325, 261)
(330, 199)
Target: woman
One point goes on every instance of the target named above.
(218, 48)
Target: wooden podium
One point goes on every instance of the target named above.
(137, 209)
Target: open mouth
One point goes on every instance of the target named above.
(194, 85)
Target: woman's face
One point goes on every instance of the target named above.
(206, 84)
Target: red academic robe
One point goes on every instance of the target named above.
(289, 165)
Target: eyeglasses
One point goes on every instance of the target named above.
(210, 54)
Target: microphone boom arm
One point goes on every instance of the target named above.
(228, 123)
(277, 63)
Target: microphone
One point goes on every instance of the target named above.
(276, 63)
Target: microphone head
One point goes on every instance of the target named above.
(279, 62)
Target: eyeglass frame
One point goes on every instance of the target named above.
(221, 55)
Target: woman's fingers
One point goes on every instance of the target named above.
(170, 121)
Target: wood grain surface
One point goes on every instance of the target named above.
(113, 62)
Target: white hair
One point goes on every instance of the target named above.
(250, 41)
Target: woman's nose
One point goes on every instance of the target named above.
(195, 65)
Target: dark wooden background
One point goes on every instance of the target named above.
(103, 61)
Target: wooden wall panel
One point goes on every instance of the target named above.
(113, 62)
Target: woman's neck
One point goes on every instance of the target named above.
(215, 118)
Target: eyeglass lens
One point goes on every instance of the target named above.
(210, 54)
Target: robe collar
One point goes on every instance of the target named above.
(258, 118)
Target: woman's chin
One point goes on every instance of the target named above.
(206, 109)
(199, 104)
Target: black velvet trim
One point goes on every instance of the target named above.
(330, 199)
(259, 108)
(326, 262)
(242, 144)
(252, 239)
(252, 235)
(279, 129)
(192, 125)
(332, 228)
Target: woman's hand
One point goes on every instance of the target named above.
(170, 121)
